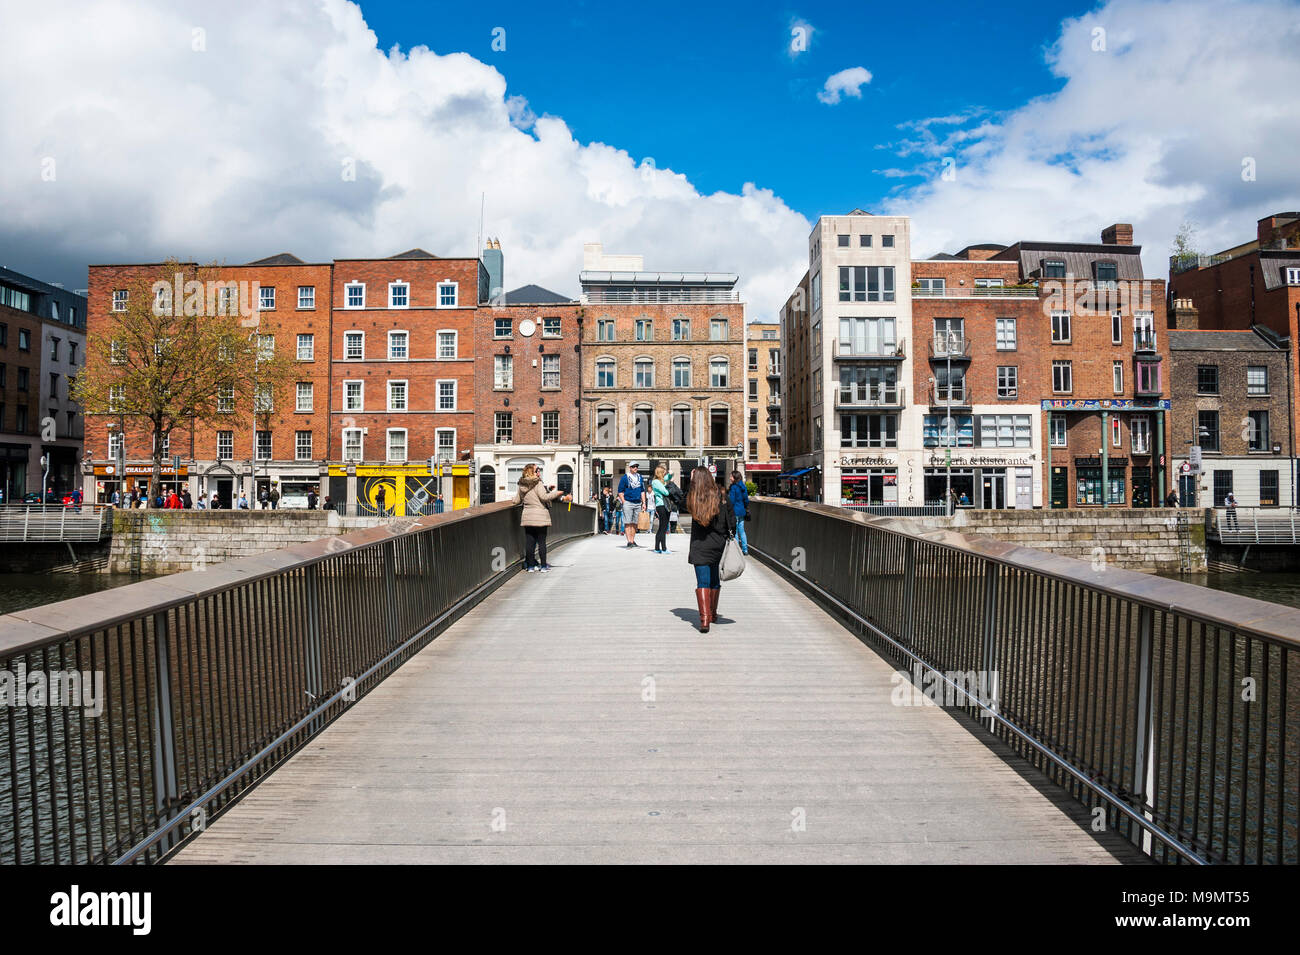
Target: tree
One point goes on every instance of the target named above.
(1184, 245)
(175, 344)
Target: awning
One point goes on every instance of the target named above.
(794, 474)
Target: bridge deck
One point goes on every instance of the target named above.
(530, 711)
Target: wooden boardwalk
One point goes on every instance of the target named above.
(579, 716)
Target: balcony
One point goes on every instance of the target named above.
(774, 399)
(946, 396)
(774, 432)
(773, 371)
(1144, 340)
(1021, 292)
(949, 347)
(879, 351)
(854, 399)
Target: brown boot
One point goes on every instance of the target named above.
(703, 601)
(713, 603)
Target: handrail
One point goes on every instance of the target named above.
(1124, 688)
(208, 680)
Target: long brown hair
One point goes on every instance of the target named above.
(703, 500)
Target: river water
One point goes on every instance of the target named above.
(1279, 588)
(20, 591)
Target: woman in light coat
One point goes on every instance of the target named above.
(536, 518)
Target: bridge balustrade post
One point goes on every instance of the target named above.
(909, 580)
(388, 549)
(314, 678)
(1144, 749)
(990, 634)
(166, 789)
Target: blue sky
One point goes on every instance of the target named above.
(712, 90)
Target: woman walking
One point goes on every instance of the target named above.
(660, 490)
(712, 522)
(738, 498)
(536, 517)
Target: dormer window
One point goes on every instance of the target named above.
(1106, 274)
(1053, 268)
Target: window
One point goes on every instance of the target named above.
(864, 241)
(1056, 436)
(842, 241)
(263, 400)
(753, 450)
(397, 444)
(1060, 327)
(867, 336)
(302, 445)
(1117, 377)
(446, 395)
(550, 427)
(502, 327)
(1222, 487)
(225, 445)
(989, 283)
(20, 420)
(550, 327)
(717, 373)
(717, 329)
(645, 330)
(353, 395)
(352, 448)
(306, 296)
(1257, 431)
(681, 329)
(1106, 274)
(54, 349)
(1293, 276)
(263, 446)
(354, 346)
(1207, 426)
(1116, 491)
(1062, 377)
(931, 285)
(504, 427)
(1054, 268)
(265, 347)
(1117, 328)
(606, 426)
(1256, 380)
(816, 286)
(120, 297)
(447, 294)
(642, 420)
(753, 419)
(1207, 379)
(753, 389)
(399, 295)
(115, 443)
(397, 396)
(24, 339)
(116, 394)
(644, 373)
(550, 371)
(886, 241)
(446, 344)
(446, 438)
(1007, 381)
(307, 347)
(1144, 331)
(72, 353)
(605, 330)
(1139, 428)
(681, 427)
(1004, 431)
(305, 396)
(1006, 334)
(753, 359)
(266, 298)
(22, 378)
(226, 399)
(1148, 378)
(605, 373)
(354, 295)
(1268, 496)
(398, 346)
(503, 372)
(1116, 432)
(948, 431)
(54, 385)
(681, 373)
(868, 384)
(817, 432)
(867, 283)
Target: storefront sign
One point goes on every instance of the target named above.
(134, 470)
(1096, 462)
(1106, 404)
(982, 461)
(870, 461)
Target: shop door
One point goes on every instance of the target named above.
(225, 492)
(1141, 487)
(460, 492)
(1187, 490)
(1060, 487)
(1024, 489)
(994, 490)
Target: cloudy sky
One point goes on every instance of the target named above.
(701, 138)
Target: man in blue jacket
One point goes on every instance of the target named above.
(631, 495)
(738, 495)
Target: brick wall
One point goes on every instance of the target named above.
(527, 398)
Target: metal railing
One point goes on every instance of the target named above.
(1169, 706)
(997, 291)
(899, 510)
(895, 349)
(54, 522)
(1185, 263)
(1254, 525)
(895, 397)
(941, 395)
(704, 296)
(209, 680)
(949, 346)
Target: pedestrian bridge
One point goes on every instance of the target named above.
(405, 694)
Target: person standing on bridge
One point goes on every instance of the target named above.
(631, 495)
(660, 490)
(738, 498)
(536, 518)
(713, 521)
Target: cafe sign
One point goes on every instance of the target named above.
(868, 461)
(982, 460)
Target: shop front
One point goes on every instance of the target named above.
(499, 468)
(1091, 480)
(765, 476)
(109, 478)
(988, 482)
(868, 480)
(396, 490)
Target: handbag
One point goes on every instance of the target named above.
(643, 520)
(732, 564)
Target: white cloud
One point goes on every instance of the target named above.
(1152, 130)
(844, 83)
(238, 151)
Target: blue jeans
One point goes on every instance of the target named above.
(740, 535)
(706, 576)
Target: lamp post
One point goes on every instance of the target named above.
(701, 399)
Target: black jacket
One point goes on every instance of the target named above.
(707, 541)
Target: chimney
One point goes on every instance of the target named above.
(1273, 228)
(1185, 314)
(1121, 233)
(494, 265)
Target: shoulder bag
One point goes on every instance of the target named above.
(732, 564)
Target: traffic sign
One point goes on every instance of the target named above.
(713, 469)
